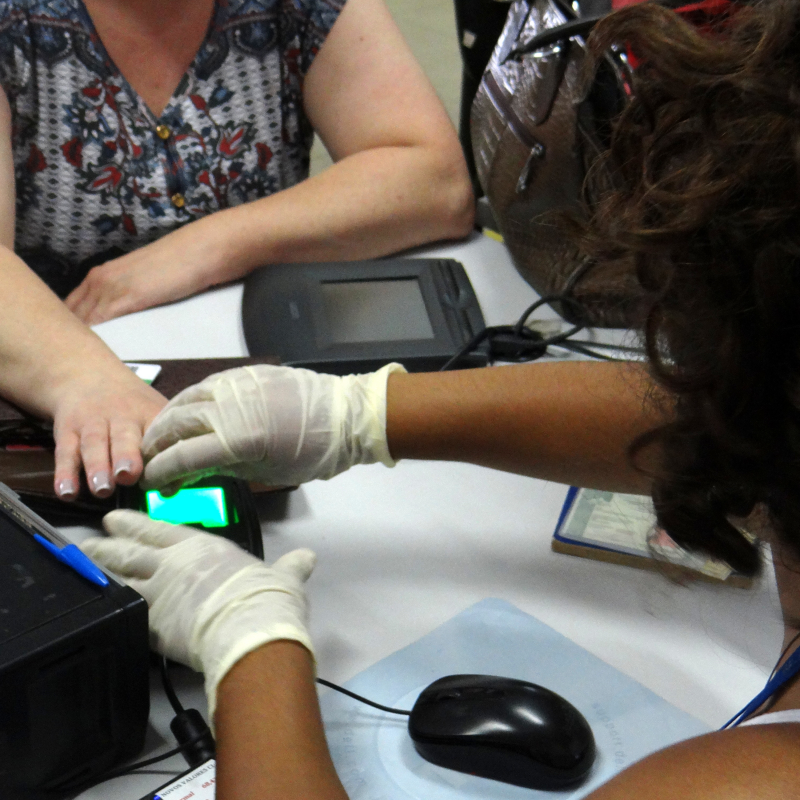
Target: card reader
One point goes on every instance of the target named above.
(217, 504)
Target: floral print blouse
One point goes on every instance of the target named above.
(97, 174)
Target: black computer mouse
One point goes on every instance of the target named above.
(501, 728)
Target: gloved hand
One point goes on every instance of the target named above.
(280, 426)
(211, 603)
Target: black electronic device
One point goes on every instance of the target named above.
(505, 729)
(356, 316)
(217, 504)
(74, 658)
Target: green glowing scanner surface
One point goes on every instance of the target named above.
(203, 506)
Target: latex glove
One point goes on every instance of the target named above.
(280, 426)
(211, 603)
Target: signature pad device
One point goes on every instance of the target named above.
(217, 504)
(355, 316)
(501, 728)
(74, 657)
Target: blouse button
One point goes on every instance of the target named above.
(163, 132)
(178, 200)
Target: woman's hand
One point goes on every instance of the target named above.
(179, 264)
(98, 420)
(211, 603)
(277, 425)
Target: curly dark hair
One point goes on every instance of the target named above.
(705, 168)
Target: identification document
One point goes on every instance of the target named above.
(621, 529)
(196, 784)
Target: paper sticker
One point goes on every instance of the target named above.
(147, 372)
(196, 785)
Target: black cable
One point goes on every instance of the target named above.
(517, 343)
(608, 346)
(586, 351)
(109, 776)
(193, 734)
(150, 761)
(362, 699)
(471, 345)
(188, 726)
(169, 690)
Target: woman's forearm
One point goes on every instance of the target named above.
(270, 742)
(369, 204)
(57, 368)
(570, 422)
(43, 347)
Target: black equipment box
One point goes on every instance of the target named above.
(74, 665)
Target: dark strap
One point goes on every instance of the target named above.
(583, 26)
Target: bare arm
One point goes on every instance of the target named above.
(55, 367)
(399, 177)
(270, 742)
(570, 422)
(399, 180)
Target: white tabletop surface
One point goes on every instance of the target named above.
(402, 550)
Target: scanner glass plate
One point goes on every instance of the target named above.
(198, 506)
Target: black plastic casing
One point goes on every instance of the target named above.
(504, 729)
(74, 667)
(283, 314)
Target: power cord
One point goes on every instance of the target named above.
(146, 763)
(362, 699)
(518, 343)
(188, 725)
(195, 741)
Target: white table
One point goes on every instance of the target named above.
(403, 550)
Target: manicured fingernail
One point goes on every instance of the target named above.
(123, 467)
(66, 489)
(101, 484)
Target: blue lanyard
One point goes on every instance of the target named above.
(789, 669)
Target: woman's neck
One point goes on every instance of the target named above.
(152, 42)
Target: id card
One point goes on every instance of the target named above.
(197, 784)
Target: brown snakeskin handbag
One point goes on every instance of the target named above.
(536, 127)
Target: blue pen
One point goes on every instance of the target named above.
(73, 557)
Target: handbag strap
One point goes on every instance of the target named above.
(583, 26)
